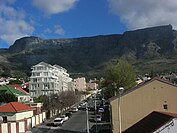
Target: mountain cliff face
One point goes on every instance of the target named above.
(145, 49)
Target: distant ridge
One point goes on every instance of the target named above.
(146, 49)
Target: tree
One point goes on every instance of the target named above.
(120, 75)
(43, 99)
(6, 98)
(15, 82)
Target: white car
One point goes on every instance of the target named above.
(58, 122)
(100, 110)
(74, 109)
(64, 117)
(98, 118)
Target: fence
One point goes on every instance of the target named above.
(23, 125)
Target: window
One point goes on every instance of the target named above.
(4, 119)
(39, 79)
(35, 80)
(45, 73)
(45, 79)
(165, 106)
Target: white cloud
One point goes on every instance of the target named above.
(54, 6)
(13, 24)
(59, 30)
(145, 13)
(47, 30)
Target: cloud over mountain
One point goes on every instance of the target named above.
(144, 13)
(13, 24)
(50, 7)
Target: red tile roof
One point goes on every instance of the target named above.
(15, 107)
(19, 88)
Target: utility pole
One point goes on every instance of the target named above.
(87, 117)
(95, 105)
(121, 89)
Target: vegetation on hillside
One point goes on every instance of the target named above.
(6, 98)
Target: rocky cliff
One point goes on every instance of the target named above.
(145, 49)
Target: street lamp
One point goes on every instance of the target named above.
(95, 111)
(87, 117)
(121, 89)
(95, 105)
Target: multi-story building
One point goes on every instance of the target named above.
(47, 79)
(91, 86)
(80, 84)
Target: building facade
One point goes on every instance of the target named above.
(138, 102)
(47, 79)
(80, 84)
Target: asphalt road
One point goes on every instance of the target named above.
(76, 124)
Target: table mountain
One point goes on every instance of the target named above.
(146, 49)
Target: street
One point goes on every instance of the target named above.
(76, 124)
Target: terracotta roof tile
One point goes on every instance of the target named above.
(15, 107)
(19, 88)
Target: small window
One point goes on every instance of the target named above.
(4, 119)
(165, 106)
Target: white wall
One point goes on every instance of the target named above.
(29, 124)
(4, 128)
(40, 120)
(44, 115)
(37, 119)
(170, 127)
(22, 115)
(13, 127)
(17, 116)
(21, 127)
(33, 122)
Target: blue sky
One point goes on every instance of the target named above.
(80, 18)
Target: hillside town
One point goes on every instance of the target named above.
(51, 94)
(88, 66)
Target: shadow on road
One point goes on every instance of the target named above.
(67, 131)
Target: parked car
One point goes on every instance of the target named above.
(64, 117)
(98, 118)
(74, 109)
(57, 122)
(91, 108)
(101, 110)
(69, 114)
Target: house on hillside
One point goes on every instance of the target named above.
(155, 122)
(19, 88)
(136, 103)
(15, 111)
(22, 97)
(16, 117)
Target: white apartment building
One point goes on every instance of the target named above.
(47, 79)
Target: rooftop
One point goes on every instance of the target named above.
(151, 122)
(15, 107)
